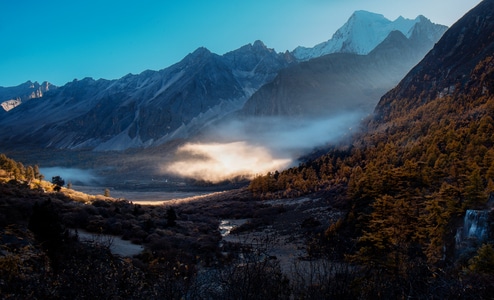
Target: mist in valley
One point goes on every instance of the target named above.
(239, 148)
(72, 175)
(256, 145)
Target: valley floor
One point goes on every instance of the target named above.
(285, 235)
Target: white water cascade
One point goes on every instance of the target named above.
(475, 227)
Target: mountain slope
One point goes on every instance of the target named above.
(453, 60)
(156, 107)
(364, 31)
(408, 179)
(146, 109)
(340, 82)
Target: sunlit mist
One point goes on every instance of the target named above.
(256, 146)
(220, 161)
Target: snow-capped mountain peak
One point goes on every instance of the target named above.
(360, 35)
(11, 97)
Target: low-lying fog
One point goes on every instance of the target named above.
(237, 148)
(72, 175)
(256, 146)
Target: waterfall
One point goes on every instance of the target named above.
(475, 226)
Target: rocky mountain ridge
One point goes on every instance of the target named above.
(365, 30)
(341, 82)
(146, 109)
(156, 107)
(11, 97)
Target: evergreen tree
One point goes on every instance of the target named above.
(30, 174)
(475, 195)
(37, 173)
(58, 183)
(483, 262)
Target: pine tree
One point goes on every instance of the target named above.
(30, 174)
(483, 262)
(37, 173)
(58, 183)
(475, 195)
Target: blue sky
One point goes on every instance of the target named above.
(59, 40)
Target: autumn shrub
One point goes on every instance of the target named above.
(101, 203)
(250, 224)
(96, 224)
(252, 277)
(91, 271)
(113, 226)
(78, 217)
(323, 279)
(24, 268)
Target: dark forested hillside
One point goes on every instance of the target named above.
(426, 157)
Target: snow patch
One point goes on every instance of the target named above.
(359, 35)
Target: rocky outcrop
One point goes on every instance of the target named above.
(11, 97)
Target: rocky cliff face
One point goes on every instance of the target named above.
(11, 97)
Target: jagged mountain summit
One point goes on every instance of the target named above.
(147, 109)
(364, 31)
(340, 83)
(11, 97)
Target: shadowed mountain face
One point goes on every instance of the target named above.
(450, 67)
(341, 82)
(146, 109)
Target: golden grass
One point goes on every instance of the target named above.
(82, 197)
(48, 188)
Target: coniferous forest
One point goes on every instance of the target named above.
(404, 185)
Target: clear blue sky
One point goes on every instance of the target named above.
(60, 40)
